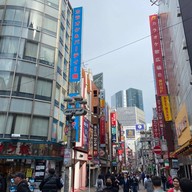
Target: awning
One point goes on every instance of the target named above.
(183, 149)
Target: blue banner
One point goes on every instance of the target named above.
(75, 64)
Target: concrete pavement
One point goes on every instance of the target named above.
(92, 189)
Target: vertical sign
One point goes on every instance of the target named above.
(157, 56)
(113, 126)
(155, 129)
(102, 130)
(95, 140)
(75, 65)
(160, 115)
(166, 108)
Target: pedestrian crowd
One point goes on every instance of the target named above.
(130, 183)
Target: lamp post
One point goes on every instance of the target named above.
(75, 107)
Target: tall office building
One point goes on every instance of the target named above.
(118, 100)
(134, 98)
(34, 62)
(128, 98)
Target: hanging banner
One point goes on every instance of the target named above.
(166, 108)
(157, 56)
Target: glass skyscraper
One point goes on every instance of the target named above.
(128, 98)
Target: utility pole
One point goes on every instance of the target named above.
(73, 109)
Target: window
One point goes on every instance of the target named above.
(35, 20)
(57, 93)
(60, 57)
(50, 24)
(30, 51)
(9, 46)
(27, 84)
(14, 16)
(40, 126)
(95, 110)
(95, 93)
(47, 55)
(5, 80)
(44, 89)
(1, 14)
(2, 124)
(22, 124)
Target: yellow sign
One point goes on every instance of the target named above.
(166, 108)
(182, 126)
(29, 173)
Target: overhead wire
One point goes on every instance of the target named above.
(116, 49)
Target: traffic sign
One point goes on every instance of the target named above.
(89, 157)
(157, 150)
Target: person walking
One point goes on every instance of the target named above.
(134, 183)
(99, 184)
(156, 180)
(176, 185)
(126, 183)
(148, 184)
(51, 182)
(22, 185)
(109, 186)
(164, 180)
(186, 185)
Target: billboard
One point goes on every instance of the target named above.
(75, 64)
(113, 126)
(130, 133)
(157, 56)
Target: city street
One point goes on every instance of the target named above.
(141, 189)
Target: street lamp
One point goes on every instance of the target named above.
(75, 107)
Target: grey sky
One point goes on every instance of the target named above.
(109, 25)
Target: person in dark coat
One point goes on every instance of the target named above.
(3, 183)
(22, 185)
(126, 183)
(51, 182)
(109, 186)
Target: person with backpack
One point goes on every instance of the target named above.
(22, 185)
(99, 184)
(51, 182)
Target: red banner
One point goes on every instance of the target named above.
(113, 119)
(102, 130)
(157, 56)
(155, 129)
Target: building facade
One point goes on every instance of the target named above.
(34, 63)
(118, 100)
(175, 26)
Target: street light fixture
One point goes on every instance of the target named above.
(73, 109)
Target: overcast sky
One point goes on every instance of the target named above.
(120, 26)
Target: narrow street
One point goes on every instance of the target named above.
(141, 189)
